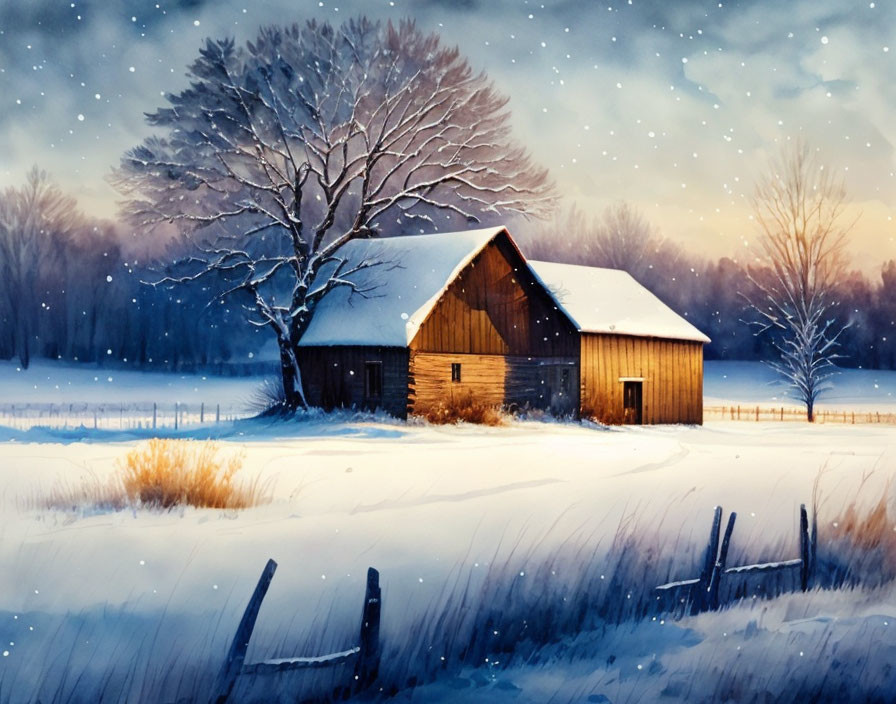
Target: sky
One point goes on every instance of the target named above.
(676, 107)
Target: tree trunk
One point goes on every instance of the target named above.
(23, 342)
(810, 411)
(291, 376)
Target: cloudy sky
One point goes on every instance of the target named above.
(673, 106)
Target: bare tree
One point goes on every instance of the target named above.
(620, 238)
(282, 151)
(799, 206)
(625, 240)
(34, 222)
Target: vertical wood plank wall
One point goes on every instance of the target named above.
(495, 306)
(672, 371)
(334, 376)
(505, 331)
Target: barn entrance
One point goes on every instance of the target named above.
(632, 402)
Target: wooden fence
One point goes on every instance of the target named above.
(784, 414)
(719, 583)
(117, 416)
(365, 656)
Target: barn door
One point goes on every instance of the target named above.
(631, 402)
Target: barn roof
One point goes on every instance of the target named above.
(611, 301)
(415, 272)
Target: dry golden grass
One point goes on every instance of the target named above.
(89, 492)
(163, 474)
(861, 540)
(464, 408)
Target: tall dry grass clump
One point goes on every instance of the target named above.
(859, 545)
(162, 474)
(167, 473)
(464, 408)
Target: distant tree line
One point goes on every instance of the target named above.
(67, 291)
(714, 294)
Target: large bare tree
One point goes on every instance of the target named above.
(309, 136)
(799, 205)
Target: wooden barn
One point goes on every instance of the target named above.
(639, 361)
(460, 317)
(448, 318)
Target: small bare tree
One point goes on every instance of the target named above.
(310, 136)
(799, 206)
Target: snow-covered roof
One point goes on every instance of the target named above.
(402, 291)
(611, 301)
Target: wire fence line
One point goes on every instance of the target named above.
(118, 416)
(176, 415)
(793, 414)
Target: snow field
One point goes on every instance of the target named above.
(467, 526)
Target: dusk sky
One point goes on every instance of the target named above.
(673, 106)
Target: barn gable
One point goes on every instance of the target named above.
(401, 291)
(496, 306)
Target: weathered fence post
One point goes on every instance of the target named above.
(237, 653)
(154, 409)
(709, 562)
(176, 414)
(813, 545)
(368, 665)
(719, 568)
(804, 548)
(218, 413)
(202, 412)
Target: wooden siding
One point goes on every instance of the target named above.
(334, 376)
(495, 306)
(672, 372)
(495, 380)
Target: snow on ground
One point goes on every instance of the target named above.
(727, 383)
(149, 600)
(427, 506)
(48, 381)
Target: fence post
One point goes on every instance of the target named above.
(738, 411)
(368, 664)
(237, 653)
(218, 413)
(757, 414)
(94, 419)
(782, 414)
(709, 562)
(202, 412)
(154, 415)
(719, 568)
(804, 548)
(176, 414)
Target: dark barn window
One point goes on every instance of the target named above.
(373, 381)
(455, 372)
